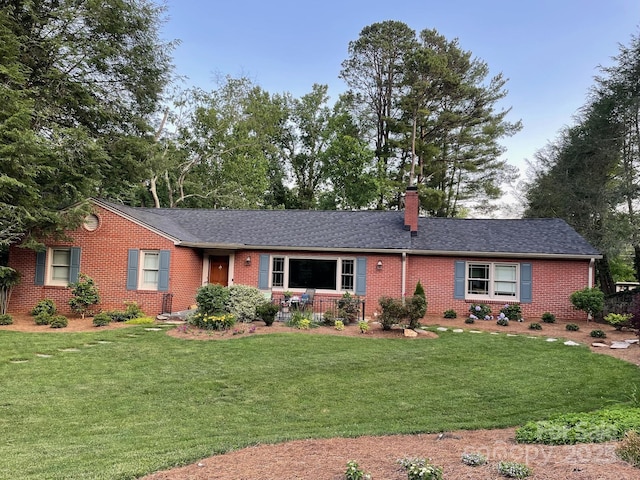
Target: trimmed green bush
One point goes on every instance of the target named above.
(43, 318)
(101, 319)
(572, 327)
(6, 319)
(503, 322)
(598, 334)
(469, 320)
(589, 300)
(548, 317)
(535, 326)
(212, 299)
(243, 301)
(58, 321)
(267, 312)
(450, 314)
(44, 306)
(618, 320)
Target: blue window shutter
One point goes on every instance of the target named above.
(526, 280)
(132, 269)
(361, 276)
(74, 264)
(263, 272)
(458, 284)
(163, 271)
(41, 264)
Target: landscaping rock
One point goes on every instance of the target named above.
(600, 344)
(619, 345)
(410, 333)
(571, 343)
(631, 341)
(422, 332)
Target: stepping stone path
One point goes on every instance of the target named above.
(69, 349)
(43, 355)
(153, 329)
(571, 343)
(442, 329)
(599, 344)
(457, 330)
(552, 339)
(619, 345)
(475, 331)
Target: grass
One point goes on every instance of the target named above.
(133, 401)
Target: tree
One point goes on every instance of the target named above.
(85, 295)
(82, 79)
(374, 73)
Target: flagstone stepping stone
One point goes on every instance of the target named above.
(619, 345)
(153, 329)
(19, 360)
(69, 349)
(475, 331)
(442, 329)
(457, 330)
(511, 335)
(552, 339)
(132, 335)
(571, 343)
(43, 355)
(600, 344)
(104, 341)
(631, 341)
(90, 344)
(496, 333)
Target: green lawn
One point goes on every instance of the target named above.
(126, 402)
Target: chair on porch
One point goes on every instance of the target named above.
(306, 299)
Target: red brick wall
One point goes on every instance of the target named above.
(553, 282)
(104, 258)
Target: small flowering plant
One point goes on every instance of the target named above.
(420, 469)
(512, 312)
(480, 311)
(220, 321)
(473, 459)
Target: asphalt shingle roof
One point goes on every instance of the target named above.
(362, 230)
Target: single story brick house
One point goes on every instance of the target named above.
(160, 257)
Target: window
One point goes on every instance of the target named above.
(492, 281)
(277, 275)
(334, 274)
(60, 267)
(347, 275)
(150, 268)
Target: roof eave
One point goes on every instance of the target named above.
(463, 253)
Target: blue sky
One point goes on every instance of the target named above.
(548, 49)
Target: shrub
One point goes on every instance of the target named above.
(590, 427)
(85, 295)
(469, 320)
(420, 290)
(6, 319)
(514, 470)
(473, 459)
(132, 310)
(512, 312)
(589, 300)
(140, 321)
(354, 472)
(348, 308)
(58, 321)
(300, 319)
(598, 334)
(416, 308)
(101, 320)
(393, 312)
(629, 448)
(117, 315)
(363, 325)
(480, 311)
(572, 327)
(212, 299)
(222, 321)
(339, 325)
(548, 317)
(450, 314)
(43, 318)
(503, 321)
(47, 306)
(535, 326)
(618, 320)
(267, 312)
(243, 301)
(329, 318)
(420, 469)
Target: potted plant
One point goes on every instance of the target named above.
(267, 313)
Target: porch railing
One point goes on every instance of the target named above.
(338, 307)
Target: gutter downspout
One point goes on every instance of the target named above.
(404, 276)
(592, 263)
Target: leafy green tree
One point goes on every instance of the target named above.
(81, 80)
(85, 295)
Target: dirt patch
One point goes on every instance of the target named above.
(326, 459)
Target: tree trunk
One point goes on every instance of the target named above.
(605, 279)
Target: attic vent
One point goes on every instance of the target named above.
(91, 222)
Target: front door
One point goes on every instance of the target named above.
(219, 270)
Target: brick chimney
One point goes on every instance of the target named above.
(411, 209)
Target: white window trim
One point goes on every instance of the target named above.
(141, 284)
(50, 280)
(492, 295)
(339, 260)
